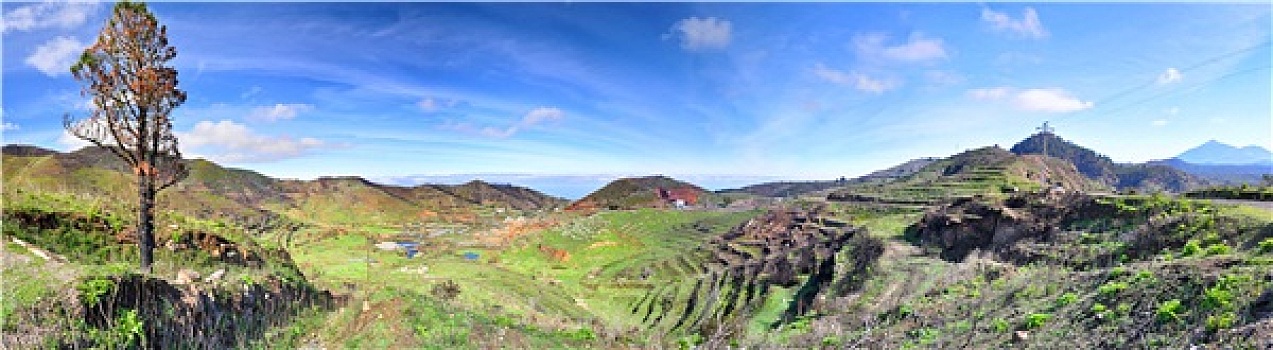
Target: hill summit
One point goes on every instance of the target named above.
(1146, 177)
(640, 192)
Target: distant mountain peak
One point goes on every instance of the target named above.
(1215, 152)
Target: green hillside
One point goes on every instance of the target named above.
(249, 198)
(632, 193)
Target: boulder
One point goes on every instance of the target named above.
(215, 276)
(186, 276)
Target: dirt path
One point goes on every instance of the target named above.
(894, 250)
(1258, 204)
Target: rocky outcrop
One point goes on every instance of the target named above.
(980, 224)
(197, 315)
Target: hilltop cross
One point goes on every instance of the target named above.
(1044, 131)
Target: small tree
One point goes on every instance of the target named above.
(133, 91)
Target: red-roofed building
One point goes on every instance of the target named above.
(678, 197)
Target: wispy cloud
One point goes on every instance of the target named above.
(854, 79)
(917, 48)
(280, 111)
(1172, 75)
(227, 141)
(994, 93)
(428, 105)
(7, 126)
(431, 104)
(1028, 26)
(702, 34)
(49, 14)
(1050, 100)
(532, 118)
(55, 57)
(251, 92)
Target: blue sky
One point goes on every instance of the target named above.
(796, 91)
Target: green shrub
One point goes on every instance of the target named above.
(1117, 272)
(999, 325)
(1221, 321)
(1170, 311)
(1124, 308)
(581, 334)
(92, 290)
(1191, 248)
(905, 310)
(1212, 237)
(690, 341)
(128, 330)
(1110, 289)
(1066, 299)
(1034, 321)
(1217, 249)
(1266, 246)
(1099, 308)
(1217, 298)
(925, 336)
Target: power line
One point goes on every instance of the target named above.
(1192, 67)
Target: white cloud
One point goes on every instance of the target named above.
(542, 114)
(917, 48)
(534, 117)
(1159, 122)
(7, 126)
(65, 15)
(701, 34)
(1051, 100)
(1028, 26)
(55, 57)
(1172, 75)
(277, 112)
(251, 92)
(856, 80)
(227, 141)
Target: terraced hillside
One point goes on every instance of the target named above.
(983, 171)
(798, 188)
(735, 278)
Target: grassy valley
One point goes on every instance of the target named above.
(986, 249)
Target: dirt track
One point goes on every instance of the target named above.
(1258, 204)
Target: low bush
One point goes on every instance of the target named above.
(1170, 311)
(1034, 321)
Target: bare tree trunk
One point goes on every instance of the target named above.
(145, 221)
